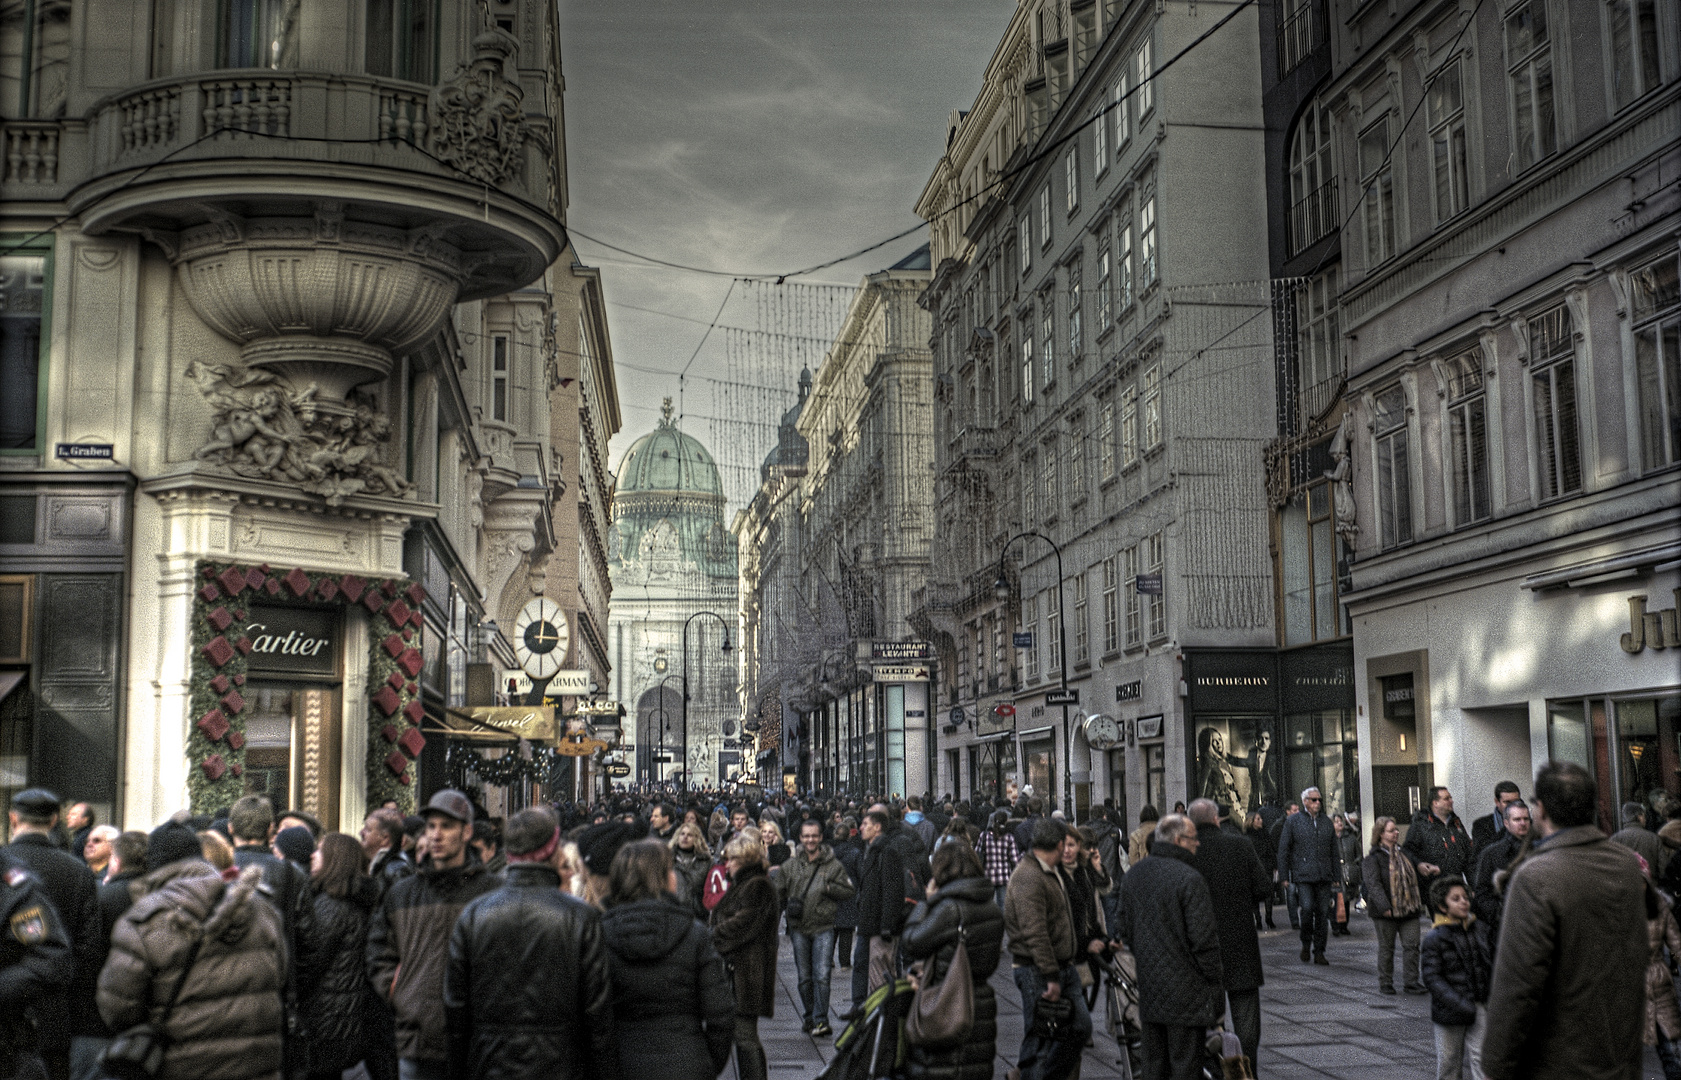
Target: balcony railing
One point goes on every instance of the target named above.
(1314, 216)
(32, 149)
(1295, 34)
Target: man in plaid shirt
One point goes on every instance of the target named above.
(1000, 852)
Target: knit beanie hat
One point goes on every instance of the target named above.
(170, 842)
(295, 844)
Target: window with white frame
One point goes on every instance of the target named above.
(1106, 438)
(1529, 66)
(1129, 426)
(1024, 235)
(980, 659)
(1045, 216)
(995, 624)
(1655, 291)
(1082, 631)
(962, 667)
(1313, 179)
(1027, 364)
(1053, 630)
(1318, 351)
(1468, 437)
(1156, 602)
(1446, 101)
(1076, 309)
(1123, 268)
(1030, 626)
(499, 377)
(1047, 337)
(1077, 457)
(1152, 406)
(1105, 282)
(1071, 175)
(1100, 142)
(1635, 47)
(1111, 607)
(1122, 109)
(1048, 468)
(1552, 380)
(1134, 605)
(1147, 243)
(1029, 492)
(1394, 467)
(1143, 69)
(1377, 185)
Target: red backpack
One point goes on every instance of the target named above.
(717, 884)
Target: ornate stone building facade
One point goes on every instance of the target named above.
(1102, 370)
(282, 371)
(673, 565)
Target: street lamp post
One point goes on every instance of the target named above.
(1001, 587)
(725, 650)
(665, 725)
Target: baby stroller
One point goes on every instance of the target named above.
(873, 1046)
(1223, 1057)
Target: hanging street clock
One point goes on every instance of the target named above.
(540, 637)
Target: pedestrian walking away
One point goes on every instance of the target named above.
(1577, 904)
(673, 1005)
(1308, 860)
(882, 906)
(1000, 853)
(526, 991)
(959, 905)
(332, 981)
(35, 962)
(1237, 881)
(1389, 883)
(1167, 920)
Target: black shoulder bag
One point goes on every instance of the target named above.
(796, 905)
(137, 1053)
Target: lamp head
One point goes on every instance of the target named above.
(726, 643)
(1001, 587)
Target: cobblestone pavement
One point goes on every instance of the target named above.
(1316, 1023)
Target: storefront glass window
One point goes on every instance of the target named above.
(1321, 752)
(1039, 766)
(1118, 782)
(1236, 766)
(1155, 777)
(1649, 752)
(1567, 733)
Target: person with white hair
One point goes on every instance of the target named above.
(1307, 859)
(96, 851)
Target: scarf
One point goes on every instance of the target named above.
(1404, 898)
(1448, 920)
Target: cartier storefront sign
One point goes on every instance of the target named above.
(294, 641)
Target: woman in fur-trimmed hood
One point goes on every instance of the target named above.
(228, 1015)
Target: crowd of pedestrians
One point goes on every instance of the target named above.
(641, 938)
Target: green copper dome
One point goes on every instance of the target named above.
(667, 460)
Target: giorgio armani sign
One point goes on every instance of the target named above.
(293, 641)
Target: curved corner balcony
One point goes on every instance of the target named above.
(457, 177)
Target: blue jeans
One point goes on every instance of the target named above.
(998, 894)
(1041, 1059)
(1316, 899)
(860, 970)
(812, 955)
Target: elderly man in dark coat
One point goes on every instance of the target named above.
(1167, 920)
(1568, 1001)
(1236, 883)
(1308, 859)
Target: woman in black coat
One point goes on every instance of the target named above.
(1256, 830)
(332, 981)
(744, 933)
(673, 1008)
(959, 894)
(851, 855)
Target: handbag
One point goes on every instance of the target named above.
(137, 1053)
(943, 1014)
(1052, 1019)
(1342, 906)
(795, 907)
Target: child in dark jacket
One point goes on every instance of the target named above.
(1458, 963)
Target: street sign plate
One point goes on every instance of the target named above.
(892, 673)
(1062, 697)
(900, 651)
(1148, 584)
(1005, 710)
(1022, 639)
(617, 768)
(957, 716)
(662, 759)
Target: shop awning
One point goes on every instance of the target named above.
(460, 724)
(1607, 569)
(9, 681)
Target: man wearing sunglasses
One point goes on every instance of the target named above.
(1307, 859)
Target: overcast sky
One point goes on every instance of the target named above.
(749, 137)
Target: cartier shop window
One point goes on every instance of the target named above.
(294, 723)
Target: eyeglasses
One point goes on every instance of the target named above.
(1315, 799)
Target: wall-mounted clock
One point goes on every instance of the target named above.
(1103, 733)
(540, 637)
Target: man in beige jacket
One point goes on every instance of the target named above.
(1042, 953)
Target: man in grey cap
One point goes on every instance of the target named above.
(408, 937)
(69, 884)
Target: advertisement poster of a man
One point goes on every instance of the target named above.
(1235, 764)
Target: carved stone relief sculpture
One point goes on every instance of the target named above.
(478, 125)
(1342, 487)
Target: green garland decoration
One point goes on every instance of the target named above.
(216, 738)
(545, 766)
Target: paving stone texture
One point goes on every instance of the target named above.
(1316, 1022)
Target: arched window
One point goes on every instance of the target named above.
(1313, 179)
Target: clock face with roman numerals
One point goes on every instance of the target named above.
(541, 634)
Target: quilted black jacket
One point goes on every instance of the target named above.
(333, 976)
(932, 932)
(1167, 920)
(673, 1005)
(527, 991)
(1458, 965)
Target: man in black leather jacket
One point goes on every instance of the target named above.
(528, 991)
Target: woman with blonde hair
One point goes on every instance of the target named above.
(218, 853)
(690, 862)
(776, 848)
(744, 932)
